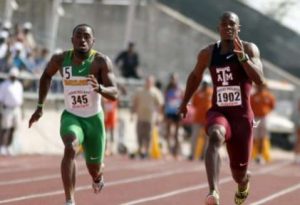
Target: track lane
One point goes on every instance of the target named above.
(144, 182)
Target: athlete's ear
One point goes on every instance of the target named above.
(238, 28)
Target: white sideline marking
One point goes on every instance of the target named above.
(28, 166)
(175, 192)
(82, 172)
(201, 186)
(277, 194)
(272, 167)
(113, 183)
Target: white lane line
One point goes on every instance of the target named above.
(272, 167)
(29, 167)
(35, 179)
(277, 194)
(113, 183)
(175, 192)
(81, 172)
(201, 186)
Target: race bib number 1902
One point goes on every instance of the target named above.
(228, 96)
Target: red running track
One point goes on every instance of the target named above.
(35, 180)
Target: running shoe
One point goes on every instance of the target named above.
(98, 185)
(213, 198)
(241, 196)
(70, 203)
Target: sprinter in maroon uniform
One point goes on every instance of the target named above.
(233, 64)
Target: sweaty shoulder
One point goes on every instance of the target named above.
(102, 64)
(101, 59)
(251, 49)
(205, 54)
(58, 58)
(55, 64)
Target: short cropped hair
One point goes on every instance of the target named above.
(82, 25)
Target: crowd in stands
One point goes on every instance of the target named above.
(18, 49)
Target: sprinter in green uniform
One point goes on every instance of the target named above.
(87, 75)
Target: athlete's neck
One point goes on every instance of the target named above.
(226, 46)
(81, 55)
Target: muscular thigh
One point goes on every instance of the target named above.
(240, 144)
(94, 139)
(70, 126)
(215, 118)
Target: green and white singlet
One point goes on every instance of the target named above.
(80, 99)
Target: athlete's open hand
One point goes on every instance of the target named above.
(238, 47)
(92, 80)
(35, 116)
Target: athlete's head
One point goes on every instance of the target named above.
(83, 38)
(229, 25)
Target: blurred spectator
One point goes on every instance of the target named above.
(42, 59)
(7, 62)
(29, 40)
(6, 27)
(19, 55)
(18, 48)
(173, 97)
(11, 99)
(111, 118)
(3, 44)
(128, 62)
(202, 102)
(17, 33)
(30, 61)
(262, 102)
(147, 103)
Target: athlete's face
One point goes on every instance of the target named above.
(229, 26)
(83, 39)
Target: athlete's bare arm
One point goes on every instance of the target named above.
(253, 66)
(45, 81)
(105, 83)
(195, 77)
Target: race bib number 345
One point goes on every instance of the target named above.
(79, 99)
(228, 96)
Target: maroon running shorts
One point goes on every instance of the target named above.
(238, 137)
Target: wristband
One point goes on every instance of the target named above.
(100, 88)
(40, 105)
(244, 59)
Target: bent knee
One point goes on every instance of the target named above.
(216, 136)
(70, 150)
(71, 146)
